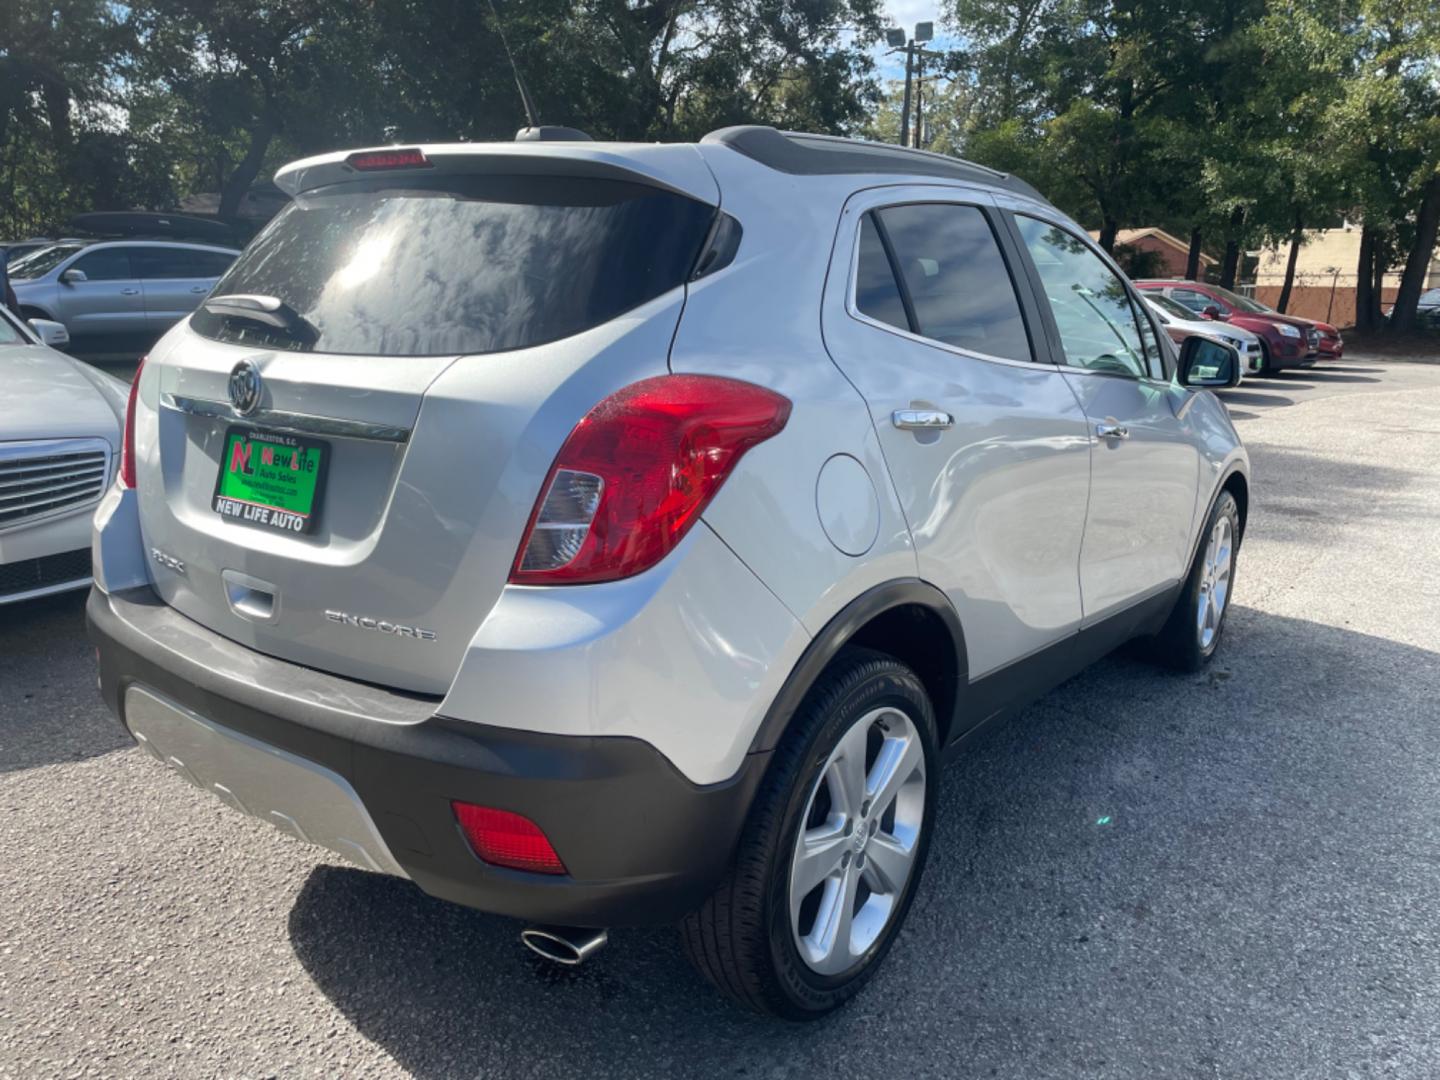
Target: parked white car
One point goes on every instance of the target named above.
(60, 425)
(1179, 322)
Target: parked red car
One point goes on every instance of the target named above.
(1288, 340)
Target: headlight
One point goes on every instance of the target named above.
(1286, 330)
(1236, 342)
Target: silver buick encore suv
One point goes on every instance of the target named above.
(605, 534)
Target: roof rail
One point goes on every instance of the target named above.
(803, 154)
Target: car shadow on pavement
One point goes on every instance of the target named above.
(1335, 375)
(1118, 877)
(50, 710)
(1265, 401)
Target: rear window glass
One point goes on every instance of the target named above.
(460, 264)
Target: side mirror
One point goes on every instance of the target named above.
(51, 333)
(1212, 311)
(1208, 363)
(73, 276)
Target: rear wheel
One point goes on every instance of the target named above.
(1192, 633)
(832, 853)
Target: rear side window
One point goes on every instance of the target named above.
(107, 264)
(955, 278)
(461, 264)
(210, 264)
(876, 293)
(1191, 299)
(159, 262)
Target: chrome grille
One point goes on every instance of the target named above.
(38, 479)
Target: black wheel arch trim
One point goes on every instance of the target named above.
(1235, 469)
(841, 630)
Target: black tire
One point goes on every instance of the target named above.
(1268, 370)
(1178, 644)
(740, 938)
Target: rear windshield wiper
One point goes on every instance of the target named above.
(268, 311)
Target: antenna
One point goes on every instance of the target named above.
(531, 118)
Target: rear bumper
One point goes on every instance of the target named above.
(642, 844)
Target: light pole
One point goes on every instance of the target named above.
(914, 52)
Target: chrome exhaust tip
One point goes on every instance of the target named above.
(570, 946)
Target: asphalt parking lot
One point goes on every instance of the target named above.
(1233, 874)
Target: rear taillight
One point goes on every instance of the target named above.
(127, 445)
(637, 471)
(505, 839)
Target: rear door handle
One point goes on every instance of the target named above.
(1111, 430)
(200, 289)
(129, 292)
(921, 419)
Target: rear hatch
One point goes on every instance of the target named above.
(353, 432)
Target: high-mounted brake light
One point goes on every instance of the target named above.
(505, 839)
(636, 473)
(127, 444)
(388, 159)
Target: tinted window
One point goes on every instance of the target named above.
(1191, 299)
(462, 264)
(39, 263)
(957, 280)
(876, 293)
(1169, 306)
(106, 264)
(1091, 304)
(159, 262)
(211, 264)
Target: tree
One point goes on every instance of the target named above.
(1388, 123)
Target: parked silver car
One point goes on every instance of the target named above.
(117, 294)
(610, 534)
(1180, 323)
(60, 425)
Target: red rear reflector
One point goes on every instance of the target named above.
(127, 445)
(388, 159)
(505, 839)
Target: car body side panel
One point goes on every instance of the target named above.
(686, 656)
(996, 503)
(770, 509)
(1142, 491)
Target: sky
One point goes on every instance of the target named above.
(905, 14)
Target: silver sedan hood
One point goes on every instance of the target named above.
(45, 395)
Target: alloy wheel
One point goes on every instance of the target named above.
(1214, 582)
(858, 841)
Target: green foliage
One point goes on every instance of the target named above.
(111, 106)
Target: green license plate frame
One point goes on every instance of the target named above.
(271, 479)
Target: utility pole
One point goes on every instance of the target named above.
(919, 99)
(914, 51)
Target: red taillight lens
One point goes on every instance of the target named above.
(127, 445)
(637, 471)
(388, 159)
(506, 839)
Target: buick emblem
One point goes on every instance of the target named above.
(245, 387)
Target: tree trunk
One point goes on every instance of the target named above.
(1365, 281)
(1192, 260)
(1417, 264)
(1295, 238)
(244, 174)
(1231, 266)
(1109, 229)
